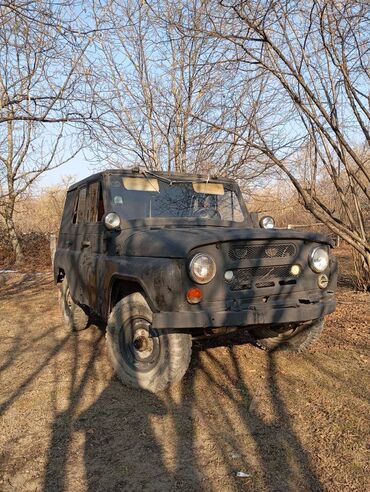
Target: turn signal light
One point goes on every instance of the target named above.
(194, 295)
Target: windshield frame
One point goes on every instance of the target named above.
(177, 221)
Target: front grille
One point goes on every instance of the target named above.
(260, 276)
(244, 251)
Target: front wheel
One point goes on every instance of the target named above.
(294, 337)
(142, 357)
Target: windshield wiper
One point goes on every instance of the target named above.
(166, 180)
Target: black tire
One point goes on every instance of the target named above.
(142, 357)
(76, 317)
(294, 337)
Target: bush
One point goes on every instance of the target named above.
(36, 249)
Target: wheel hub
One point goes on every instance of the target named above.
(142, 344)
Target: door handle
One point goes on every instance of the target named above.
(86, 244)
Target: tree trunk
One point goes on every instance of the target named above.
(12, 234)
(362, 269)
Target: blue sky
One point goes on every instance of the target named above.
(78, 167)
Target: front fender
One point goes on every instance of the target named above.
(159, 278)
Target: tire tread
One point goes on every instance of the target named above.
(299, 341)
(177, 348)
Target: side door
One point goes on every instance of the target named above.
(75, 247)
(92, 244)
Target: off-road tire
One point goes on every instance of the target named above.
(166, 354)
(294, 338)
(76, 317)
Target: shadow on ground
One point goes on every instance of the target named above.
(290, 423)
(139, 441)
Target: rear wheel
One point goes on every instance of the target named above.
(143, 357)
(76, 317)
(293, 337)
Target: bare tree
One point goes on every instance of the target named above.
(158, 90)
(314, 58)
(43, 96)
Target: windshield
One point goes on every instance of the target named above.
(140, 198)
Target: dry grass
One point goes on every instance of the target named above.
(294, 423)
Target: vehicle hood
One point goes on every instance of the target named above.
(178, 242)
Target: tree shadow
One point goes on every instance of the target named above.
(283, 462)
(26, 284)
(121, 450)
(195, 436)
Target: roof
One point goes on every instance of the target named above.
(136, 170)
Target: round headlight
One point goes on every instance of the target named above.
(112, 221)
(202, 268)
(319, 260)
(267, 222)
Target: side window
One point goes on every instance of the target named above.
(101, 210)
(79, 211)
(94, 205)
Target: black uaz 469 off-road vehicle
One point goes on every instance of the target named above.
(162, 258)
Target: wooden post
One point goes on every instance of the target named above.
(53, 247)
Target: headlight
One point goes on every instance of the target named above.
(202, 268)
(112, 221)
(319, 260)
(267, 222)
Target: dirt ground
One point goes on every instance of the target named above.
(290, 422)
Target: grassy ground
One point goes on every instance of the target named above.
(290, 422)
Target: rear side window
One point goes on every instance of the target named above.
(89, 206)
(94, 204)
(101, 210)
(79, 211)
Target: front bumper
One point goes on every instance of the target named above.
(258, 314)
